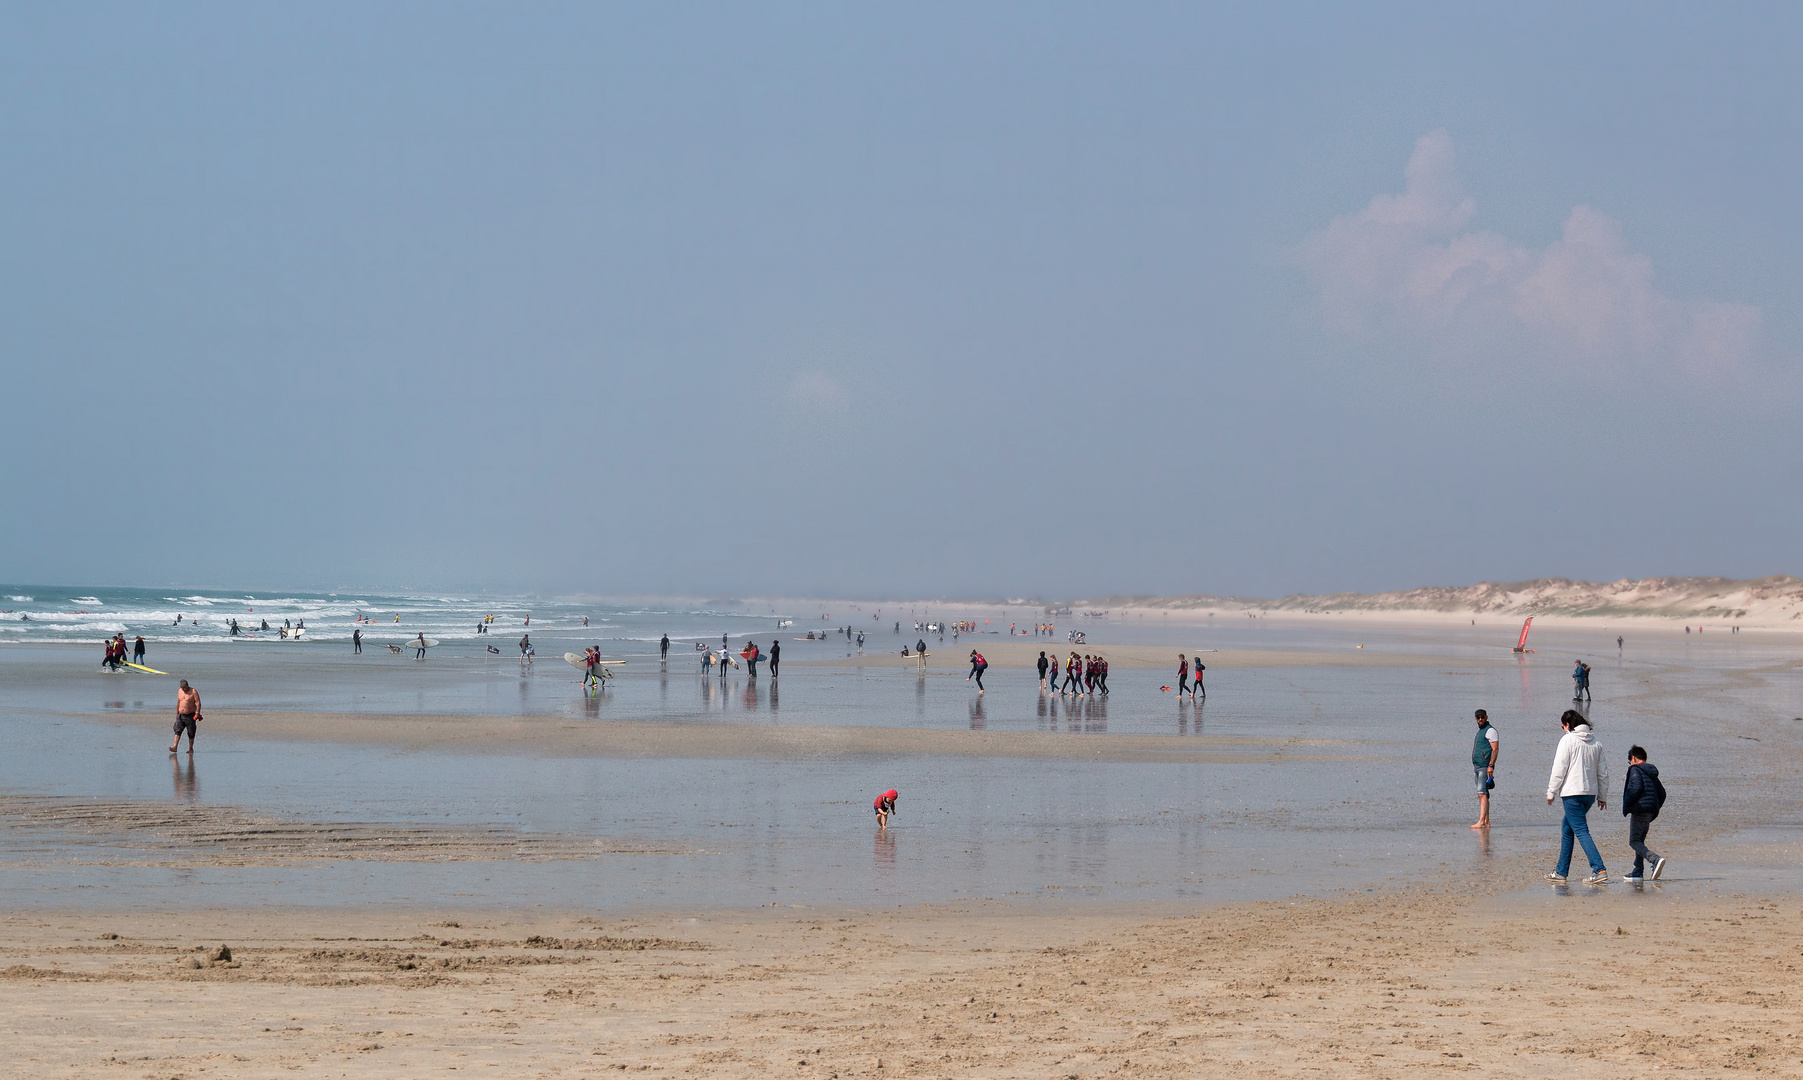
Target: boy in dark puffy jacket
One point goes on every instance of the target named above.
(1641, 798)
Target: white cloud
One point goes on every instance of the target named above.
(1404, 263)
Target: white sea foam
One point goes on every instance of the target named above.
(22, 599)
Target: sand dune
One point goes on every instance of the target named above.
(1765, 601)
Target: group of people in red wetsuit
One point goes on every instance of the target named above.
(1184, 684)
(116, 652)
(1082, 674)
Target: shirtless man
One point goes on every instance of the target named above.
(187, 715)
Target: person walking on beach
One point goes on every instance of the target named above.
(1577, 778)
(663, 649)
(1043, 664)
(776, 655)
(187, 715)
(1073, 675)
(1182, 675)
(1102, 678)
(978, 666)
(419, 644)
(1641, 797)
(885, 807)
(1580, 678)
(1486, 750)
(752, 657)
(525, 649)
(137, 650)
(357, 641)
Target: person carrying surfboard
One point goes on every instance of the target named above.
(419, 644)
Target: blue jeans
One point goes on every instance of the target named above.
(1578, 825)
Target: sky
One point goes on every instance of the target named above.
(962, 300)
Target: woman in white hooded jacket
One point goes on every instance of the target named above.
(1577, 779)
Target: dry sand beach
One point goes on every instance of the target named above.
(1418, 981)
(1461, 961)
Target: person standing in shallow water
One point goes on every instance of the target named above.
(776, 655)
(187, 715)
(663, 648)
(885, 807)
(1577, 779)
(1486, 749)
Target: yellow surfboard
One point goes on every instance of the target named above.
(145, 670)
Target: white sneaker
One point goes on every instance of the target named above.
(1658, 868)
(1632, 879)
(1555, 877)
(1601, 877)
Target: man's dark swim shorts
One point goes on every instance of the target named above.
(184, 723)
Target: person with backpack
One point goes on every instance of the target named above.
(1641, 797)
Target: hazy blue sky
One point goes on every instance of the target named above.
(1039, 300)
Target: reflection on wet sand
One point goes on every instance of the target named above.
(1189, 716)
(187, 785)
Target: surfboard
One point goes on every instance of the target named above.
(580, 663)
(145, 670)
(414, 643)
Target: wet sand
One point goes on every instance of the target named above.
(1021, 652)
(1419, 982)
(642, 739)
(1085, 959)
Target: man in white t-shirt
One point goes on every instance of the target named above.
(1486, 750)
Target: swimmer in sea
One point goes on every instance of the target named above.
(885, 807)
